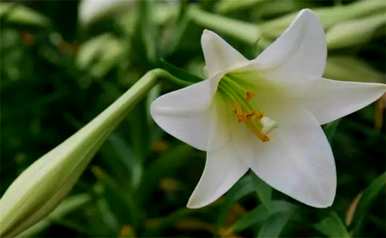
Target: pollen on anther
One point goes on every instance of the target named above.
(240, 114)
(263, 137)
(249, 95)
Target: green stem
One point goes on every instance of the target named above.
(44, 184)
(244, 31)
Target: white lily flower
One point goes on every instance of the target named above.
(265, 115)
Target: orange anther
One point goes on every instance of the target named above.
(263, 137)
(259, 115)
(249, 95)
(239, 113)
(250, 114)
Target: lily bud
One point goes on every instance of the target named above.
(354, 32)
(42, 186)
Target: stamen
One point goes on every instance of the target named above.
(258, 115)
(244, 111)
(239, 113)
(249, 95)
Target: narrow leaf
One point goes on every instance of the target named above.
(260, 214)
(332, 226)
(18, 14)
(274, 225)
(366, 200)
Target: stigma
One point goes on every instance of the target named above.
(244, 111)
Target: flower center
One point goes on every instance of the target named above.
(245, 112)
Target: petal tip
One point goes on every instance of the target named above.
(206, 31)
(306, 11)
(326, 204)
(194, 204)
(307, 14)
(208, 35)
(326, 200)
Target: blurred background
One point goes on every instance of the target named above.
(63, 62)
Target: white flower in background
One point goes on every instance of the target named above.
(92, 10)
(265, 114)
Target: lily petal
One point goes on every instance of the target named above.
(300, 50)
(219, 55)
(297, 160)
(185, 113)
(329, 99)
(222, 170)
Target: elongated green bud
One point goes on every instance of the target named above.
(354, 32)
(42, 186)
(328, 15)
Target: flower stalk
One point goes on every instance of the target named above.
(43, 185)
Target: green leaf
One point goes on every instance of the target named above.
(243, 187)
(104, 211)
(18, 14)
(100, 54)
(147, 29)
(366, 200)
(274, 225)
(332, 226)
(248, 184)
(123, 204)
(69, 205)
(166, 165)
(330, 129)
(155, 226)
(180, 21)
(263, 190)
(260, 214)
